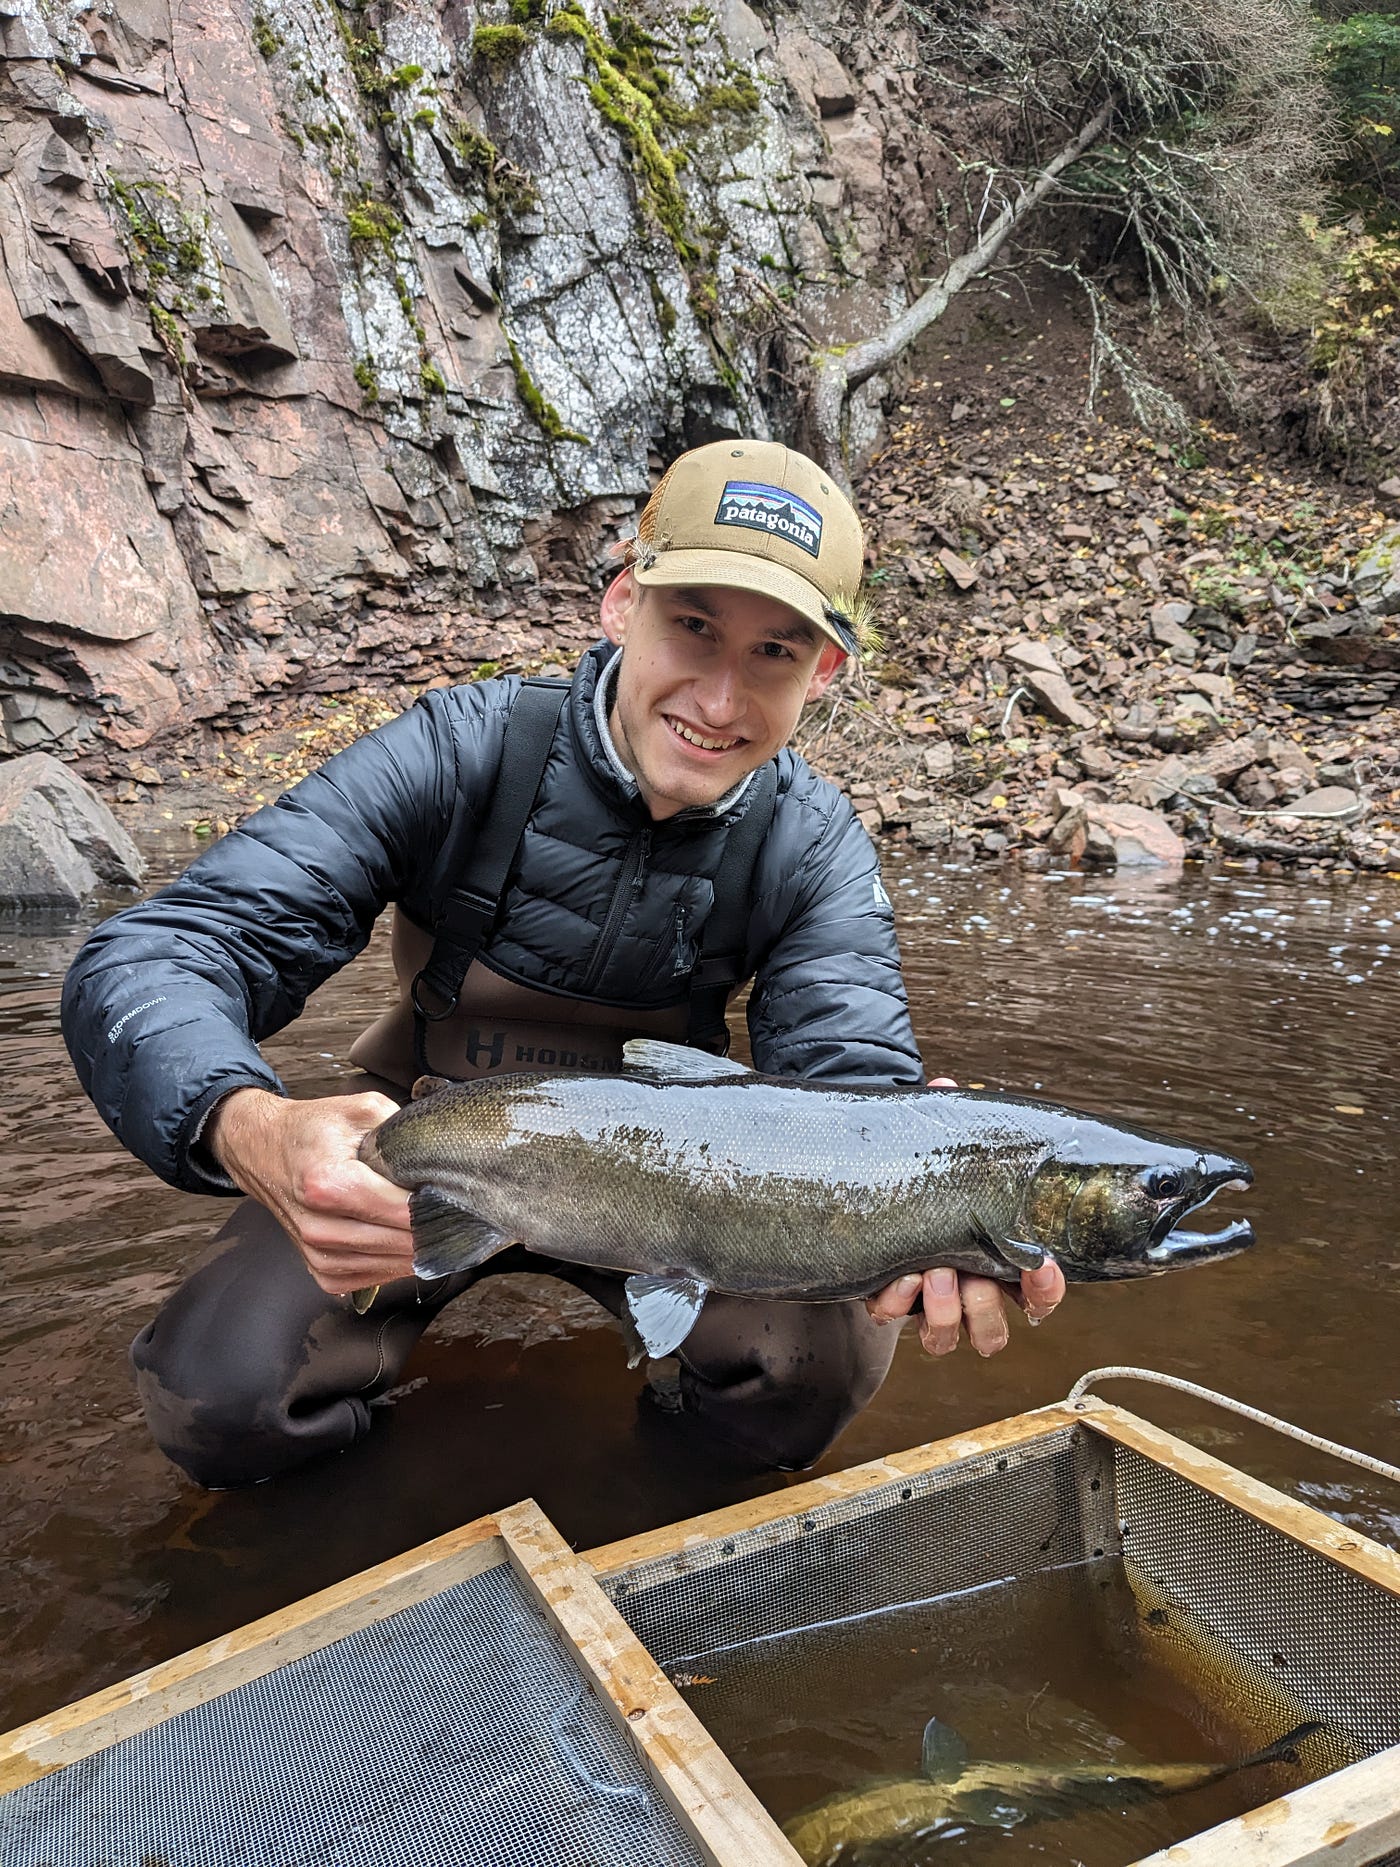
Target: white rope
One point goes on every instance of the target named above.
(1086, 1381)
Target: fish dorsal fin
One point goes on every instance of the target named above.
(663, 1311)
(653, 1057)
(944, 1755)
(447, 1236)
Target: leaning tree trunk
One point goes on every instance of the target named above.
(836, 373)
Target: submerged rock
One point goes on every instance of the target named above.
(58, 840)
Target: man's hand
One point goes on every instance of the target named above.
(300, 1160)
(951, 1299)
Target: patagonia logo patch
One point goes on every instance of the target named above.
(769, 509)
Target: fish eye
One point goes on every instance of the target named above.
(1165, 1183)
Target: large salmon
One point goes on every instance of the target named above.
(693, 1173)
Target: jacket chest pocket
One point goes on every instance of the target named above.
(658, 941)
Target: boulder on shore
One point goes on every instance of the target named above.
(58, 840)
(1140, 839)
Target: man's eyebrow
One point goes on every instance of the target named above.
(795, 631)
(692, 599)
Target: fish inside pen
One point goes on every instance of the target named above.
(954, 1791)
(1132, 1736)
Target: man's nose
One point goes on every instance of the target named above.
(719, 693)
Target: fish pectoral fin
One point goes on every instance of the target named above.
(429, 1086)
(652, 1057)
(663, 1311)
(1012, 1252)
(1019, 1255)
(944, 1754)
(448, 1236)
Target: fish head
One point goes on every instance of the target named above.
(1112, 1205)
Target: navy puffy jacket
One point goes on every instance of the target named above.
(165, 1003)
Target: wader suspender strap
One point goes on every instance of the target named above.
(721, 962)
(473, 904)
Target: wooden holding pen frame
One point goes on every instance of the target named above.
(1348, 1819)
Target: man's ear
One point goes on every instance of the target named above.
(616, 608)
(829, 662)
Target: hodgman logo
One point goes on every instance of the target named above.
(769, 509)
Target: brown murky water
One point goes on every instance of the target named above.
(1248, 1012)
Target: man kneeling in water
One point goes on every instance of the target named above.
(567, 870)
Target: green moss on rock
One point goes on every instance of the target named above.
(499, 45)
(542, 412)
(631, 87)
(164, 324)
(367, 380)
(508, 189)
(264, 38)
(373, 222)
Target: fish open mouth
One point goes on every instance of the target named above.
(1179, 1246)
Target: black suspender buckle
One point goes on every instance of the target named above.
(420, 1010)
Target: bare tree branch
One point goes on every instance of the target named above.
(1194, 133)
(838, 373)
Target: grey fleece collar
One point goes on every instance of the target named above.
(603, 692)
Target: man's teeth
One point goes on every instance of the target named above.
(707, 745)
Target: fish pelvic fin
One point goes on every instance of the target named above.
(944, 1757)
(650, 1056)
(447, 1236)
(662, 1312)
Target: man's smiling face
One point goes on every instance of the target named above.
(710, 686)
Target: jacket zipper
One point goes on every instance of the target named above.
(629, 885)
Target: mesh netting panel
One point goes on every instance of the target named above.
(1327, 1638)
(453, 1734)
(983, 1520)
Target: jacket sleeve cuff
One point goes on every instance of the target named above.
(202, 1173)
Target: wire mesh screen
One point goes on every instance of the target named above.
(455, 1733)
(1275, 1609)
(1002, 1514)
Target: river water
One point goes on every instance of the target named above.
(1259, 1014)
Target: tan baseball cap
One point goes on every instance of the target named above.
(754, 515)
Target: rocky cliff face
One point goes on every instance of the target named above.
(333, 341)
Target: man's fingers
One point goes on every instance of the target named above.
(896, 1299)
(943, 1312)
(1042, 1291)
(352, 1255)
(345, 1187)
(984, 1313)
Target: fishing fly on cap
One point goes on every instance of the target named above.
(754, 515)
